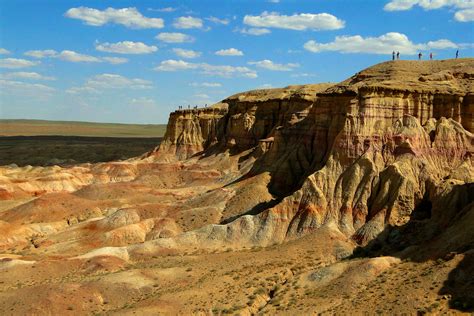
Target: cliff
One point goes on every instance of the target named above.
(358, 155)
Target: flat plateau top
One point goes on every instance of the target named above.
(454, 76)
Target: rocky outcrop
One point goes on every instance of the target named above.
(359, 155)
(239, 122)
(190, 131)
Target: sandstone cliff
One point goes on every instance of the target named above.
(358, 155)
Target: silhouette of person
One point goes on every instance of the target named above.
(393, 55)
(398, 55)
(431, 56)
(419, 56)
(457, 54)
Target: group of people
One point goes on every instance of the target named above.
(180, 107)
(420, 55)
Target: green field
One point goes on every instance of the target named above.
(65, 128)
(44, 143)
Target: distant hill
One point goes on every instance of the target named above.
(71, 128)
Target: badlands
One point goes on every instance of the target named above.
(347, 198)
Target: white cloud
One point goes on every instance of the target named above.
(13, 63)
(464, 8)
(26, 75)
(82, 90)
(143, 102)
(115, 60)
(126, 47)
(255, 31)
(72, 56)
(383, 44)
(106, 81)
(215, 20)
(273, 1)
(302, 75)
(175, 65)
(270, 65)
(24, 88)
(401, 5)
(187, 22)
(466, 15)
(174, 38)
(227, 71)
(129, 17)
(297, 22)
(186, 53)
(167, 9)
(4, 51)
(212, 70)
(41, 53)
(202, 96)
(206, 84)
(229, 52)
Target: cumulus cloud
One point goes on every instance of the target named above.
(383, 44)
(212, 70)
(22, 88)
(302, 75)
(466, 15)
(464, 8)
(186, 53)
(72, 56)
(202, 96)
(174, 38)
(297, 22)
(41, 53)
(115, 60)
(215, 20)
(4, 51)
(143, 102)
(126, 47)
(101, 82)
(270, 65)
(229, 52)
(167, 9)
(128, 17)
(255, 31)
(13, 63)
(175, 65)
(206, 84)
(187, 22)
(26, 75)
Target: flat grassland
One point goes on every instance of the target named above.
(43, 143)
(66, 128)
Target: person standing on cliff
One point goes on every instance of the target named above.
(431, 56)
(457, 53)
(398, 55)
(393, 55)
(419, 55)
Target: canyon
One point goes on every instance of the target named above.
(354, 197)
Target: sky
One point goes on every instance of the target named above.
(136, 61)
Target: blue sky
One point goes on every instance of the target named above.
(135, 61)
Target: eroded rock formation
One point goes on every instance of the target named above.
(266, 166)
